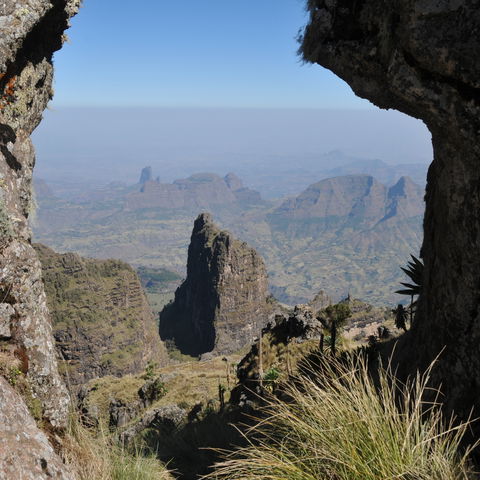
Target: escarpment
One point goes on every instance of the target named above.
(101, 319)
(224, 302)
(31, 32)
(419, 57)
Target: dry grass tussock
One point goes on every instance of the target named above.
(99, 457)
(341, 425)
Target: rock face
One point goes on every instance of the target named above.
(202, 190)
(26, 452)
(102, 322)
(30, 32)
(224, 301)
(417, 56)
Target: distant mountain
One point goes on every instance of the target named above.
(345, 234)
(342, 234)
(383, 172)
(281, 180)
(353, 198)
(145, 175)
(199, 191)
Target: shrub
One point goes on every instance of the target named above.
(341, 425)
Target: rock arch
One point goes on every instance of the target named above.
(421, 57)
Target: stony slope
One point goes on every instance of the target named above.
(102, 322)
(224, 301)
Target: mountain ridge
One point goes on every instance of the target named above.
(359, 228)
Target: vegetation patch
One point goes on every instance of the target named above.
(340, 424)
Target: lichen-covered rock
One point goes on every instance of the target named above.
(418, 56)
(120, 413)
(224, 301)
(25, 453)
(102, 322)
(31, 30)
(165, 419)
(6, 314)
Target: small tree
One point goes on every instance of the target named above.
(221, 395)
(415, 271)
(401, 316)
(333, 319)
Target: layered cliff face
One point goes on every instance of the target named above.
(224, 301)
(418, 56)
(31, 31)
(102, 322)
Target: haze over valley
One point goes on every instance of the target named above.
(344, 234)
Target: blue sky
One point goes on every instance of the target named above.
(192, 53)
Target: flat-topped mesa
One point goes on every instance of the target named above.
(224, 301)
(199, 191)
(417, 56)
(101, 319)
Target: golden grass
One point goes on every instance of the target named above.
(187, 384)
(96, 456)
(340, 425)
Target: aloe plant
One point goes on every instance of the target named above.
(415, 271)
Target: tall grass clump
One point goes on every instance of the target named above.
(339, 424)
(97, 456)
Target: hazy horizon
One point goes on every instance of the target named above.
(101, 145)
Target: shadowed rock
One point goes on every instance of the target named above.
(224, 301)
(418, 56)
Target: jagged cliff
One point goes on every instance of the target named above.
(224, 301)
(31, 31)
(102, 322)
(418, 56)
